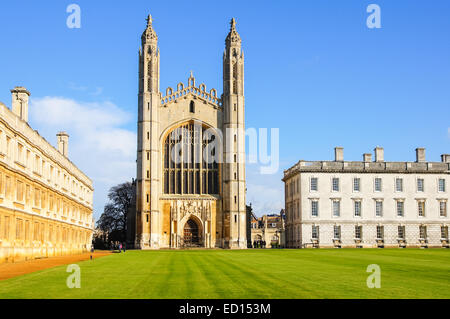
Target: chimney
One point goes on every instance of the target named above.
(339, 154)
(63, 143)
(19, 104)
(379, 154)
(367, 157)
(420, 155)
(445, 158)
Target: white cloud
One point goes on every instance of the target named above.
(67, 112)
(99, 144)
(264, 199)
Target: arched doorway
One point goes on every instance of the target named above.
(191, 234)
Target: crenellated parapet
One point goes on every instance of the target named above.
(198, 93)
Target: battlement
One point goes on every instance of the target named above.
(198, 92)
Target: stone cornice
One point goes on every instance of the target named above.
(367, 167)
(49, 187)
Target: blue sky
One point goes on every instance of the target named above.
(313, 69)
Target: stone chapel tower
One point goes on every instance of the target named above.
(147, 182)
(192, 203)
(234, 144)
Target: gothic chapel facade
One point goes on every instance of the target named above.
(190, 185)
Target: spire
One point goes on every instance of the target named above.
(149, 33)
(149, 21)
(233, 24)
(233, 37)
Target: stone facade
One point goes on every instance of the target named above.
(368, 204)
(45, 200)
(268, 229)
(190, 202)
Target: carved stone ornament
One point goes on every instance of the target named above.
(199, 208)
(233, 37)
(149, 33)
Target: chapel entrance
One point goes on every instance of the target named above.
(191, 234)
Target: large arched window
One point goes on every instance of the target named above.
(188, 168)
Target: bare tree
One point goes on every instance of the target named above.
(113, 221)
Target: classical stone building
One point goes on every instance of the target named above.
(45, 200)
(268, 229)
(369, 203)
(190, 186)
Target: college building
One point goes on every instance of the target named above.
(267, 231)
(45, 200)
(190, 183)
(368, 203)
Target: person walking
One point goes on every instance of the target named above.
(92, 251)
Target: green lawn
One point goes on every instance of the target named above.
(312, 273)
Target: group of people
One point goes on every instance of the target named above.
(259, 244)
(117, 245)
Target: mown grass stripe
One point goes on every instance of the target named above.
(409, 273)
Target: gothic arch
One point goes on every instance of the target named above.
(193, 234)
(179, 123)
(194, 217)
(191, 82)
